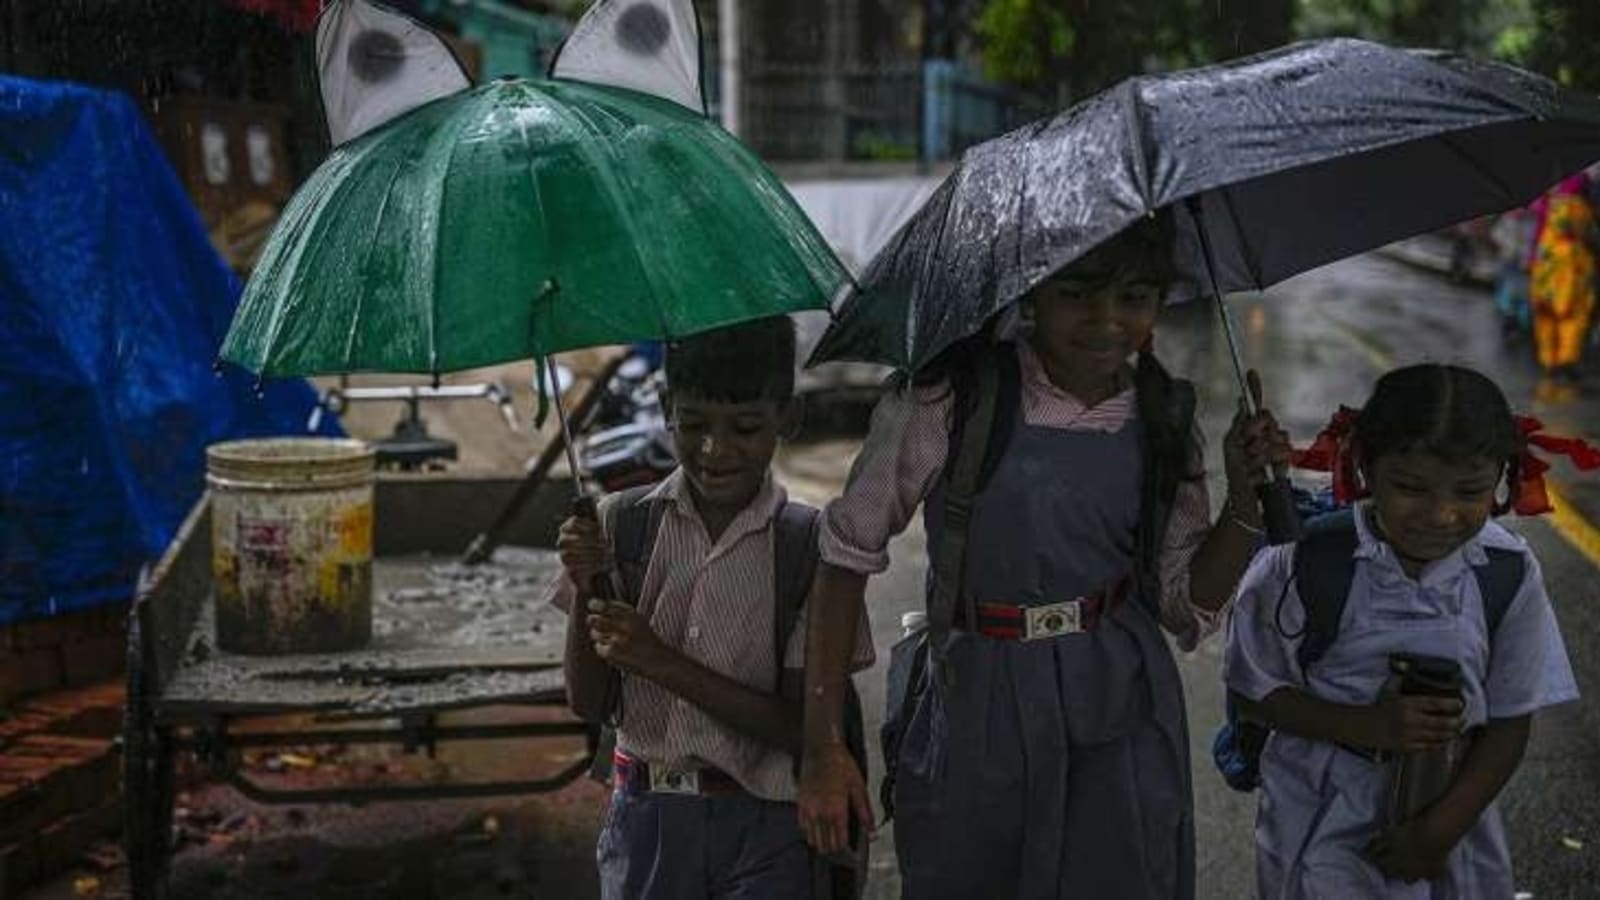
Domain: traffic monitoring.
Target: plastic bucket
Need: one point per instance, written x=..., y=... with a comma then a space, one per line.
x=291, y=528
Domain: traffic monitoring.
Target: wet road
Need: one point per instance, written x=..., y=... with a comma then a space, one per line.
x=1321, y=340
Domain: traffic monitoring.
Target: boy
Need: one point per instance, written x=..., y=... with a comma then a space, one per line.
x=708, y=722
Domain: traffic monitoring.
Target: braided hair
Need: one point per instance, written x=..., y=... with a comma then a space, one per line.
x=1451, y=412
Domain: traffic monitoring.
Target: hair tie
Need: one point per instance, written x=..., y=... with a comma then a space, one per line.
x=1334, y=451
x=1531, y=497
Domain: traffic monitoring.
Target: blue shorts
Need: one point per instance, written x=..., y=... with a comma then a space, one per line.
x=729, y=845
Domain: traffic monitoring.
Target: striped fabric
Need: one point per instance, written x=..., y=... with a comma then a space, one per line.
x=906, y=450
x=714, y=603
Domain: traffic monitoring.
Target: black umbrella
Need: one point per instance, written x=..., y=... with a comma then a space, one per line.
x=1274, y=164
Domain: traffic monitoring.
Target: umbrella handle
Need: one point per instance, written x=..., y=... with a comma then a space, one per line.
x=1278, y=513
x=602, y=587
x=1277, y=500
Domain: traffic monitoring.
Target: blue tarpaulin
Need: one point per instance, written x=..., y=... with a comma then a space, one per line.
x=112, y=306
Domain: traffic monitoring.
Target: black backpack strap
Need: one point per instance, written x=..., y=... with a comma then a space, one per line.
x=1324, y=568
x=976, y=407
x=633, y=522
x=1007, y=407
x=794, y=563
x=1499, y=580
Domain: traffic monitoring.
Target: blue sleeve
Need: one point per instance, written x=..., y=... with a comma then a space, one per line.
x=1528, y=666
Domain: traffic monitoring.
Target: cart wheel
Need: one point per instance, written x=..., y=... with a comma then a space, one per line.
x=148, y=781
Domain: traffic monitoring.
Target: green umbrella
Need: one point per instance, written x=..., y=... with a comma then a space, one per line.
x=523, y=218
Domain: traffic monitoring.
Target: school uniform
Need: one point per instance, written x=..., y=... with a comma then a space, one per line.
x=1321, y=803
x=1058, y=767
x=737, y=835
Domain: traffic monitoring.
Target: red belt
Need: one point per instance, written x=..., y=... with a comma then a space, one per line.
x=634, y=775
x=1023, y=623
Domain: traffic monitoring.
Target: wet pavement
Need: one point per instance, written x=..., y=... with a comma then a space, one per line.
x=1320, y=340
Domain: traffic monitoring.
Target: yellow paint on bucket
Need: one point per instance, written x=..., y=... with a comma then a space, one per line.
x=291, y=524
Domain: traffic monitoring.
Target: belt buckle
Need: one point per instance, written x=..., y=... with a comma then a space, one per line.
x=1051, y=620
x=674, y=781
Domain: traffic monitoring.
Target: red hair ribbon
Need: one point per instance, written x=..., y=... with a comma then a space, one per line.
x=1531, y=498
x=1333, y=451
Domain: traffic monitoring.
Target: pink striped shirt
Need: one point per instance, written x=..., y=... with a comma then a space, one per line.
x=713, y=602
x=906, y=449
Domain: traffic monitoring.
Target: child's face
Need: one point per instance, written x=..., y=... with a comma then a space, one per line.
x=1428, y=506
x=1090, y=320
x=725, y=449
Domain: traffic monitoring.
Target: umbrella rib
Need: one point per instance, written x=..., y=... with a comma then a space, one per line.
x=544, y=230
x=1251, y=260
x=928, y=260
x=1134, y=117
x=1507, y=196
x=452, y=126
x=604, y=177
x=314, y=211
x=372, y=240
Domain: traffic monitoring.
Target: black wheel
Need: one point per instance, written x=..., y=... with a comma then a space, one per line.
x=148, y=782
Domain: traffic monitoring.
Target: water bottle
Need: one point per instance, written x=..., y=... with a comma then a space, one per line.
x=912, y=622
x=1421, y=777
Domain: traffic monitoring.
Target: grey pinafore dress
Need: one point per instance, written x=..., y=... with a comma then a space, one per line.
x=1055, y=768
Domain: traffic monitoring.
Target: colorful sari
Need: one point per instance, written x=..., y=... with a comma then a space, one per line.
x=1562, y=287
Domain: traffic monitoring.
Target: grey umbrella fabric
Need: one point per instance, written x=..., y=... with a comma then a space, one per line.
x=1293, y=158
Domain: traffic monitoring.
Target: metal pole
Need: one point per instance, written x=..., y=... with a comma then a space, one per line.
x=1276, y=496
x=1196, y=213
x=728, y=36
x=554, y=387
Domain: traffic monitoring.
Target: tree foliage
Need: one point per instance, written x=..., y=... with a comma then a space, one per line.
x=1070, y=48
x=1566, y=43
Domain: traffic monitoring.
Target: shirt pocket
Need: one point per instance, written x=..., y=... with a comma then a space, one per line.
x=1395, y=604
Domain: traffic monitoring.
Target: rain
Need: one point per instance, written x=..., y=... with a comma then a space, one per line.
x=859, y=448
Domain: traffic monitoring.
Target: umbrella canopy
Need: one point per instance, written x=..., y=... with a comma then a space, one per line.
x=520, y=218
x=1283, y=161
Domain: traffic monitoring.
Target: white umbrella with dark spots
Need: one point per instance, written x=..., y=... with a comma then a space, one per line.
x=375, y=64
x=650, y=46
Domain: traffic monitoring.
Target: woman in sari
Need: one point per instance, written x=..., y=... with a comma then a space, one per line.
x=1562, y=287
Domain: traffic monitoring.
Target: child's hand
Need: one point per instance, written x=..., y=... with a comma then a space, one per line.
x=1253, y=445
x=583, y=551
x=624, y=638
x=1414, y=723
x=1415, y=851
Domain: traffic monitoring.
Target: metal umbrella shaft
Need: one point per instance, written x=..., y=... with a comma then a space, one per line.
x=603, y=587
x=1277, y=500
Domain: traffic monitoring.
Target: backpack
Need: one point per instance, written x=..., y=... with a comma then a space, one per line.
x=987, y=401
x=633, y=523
x=1324, y=569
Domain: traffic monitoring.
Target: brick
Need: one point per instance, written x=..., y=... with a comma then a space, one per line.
x=28, y=806
x=63, y=841
x=19, y=866
x=20, y=768
x=94, y=711
x=44, y=633
x=48, y=776
x=21, y=723
x=86, y=769
x=88, y=660
x=41, y=670
x=11, y=675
